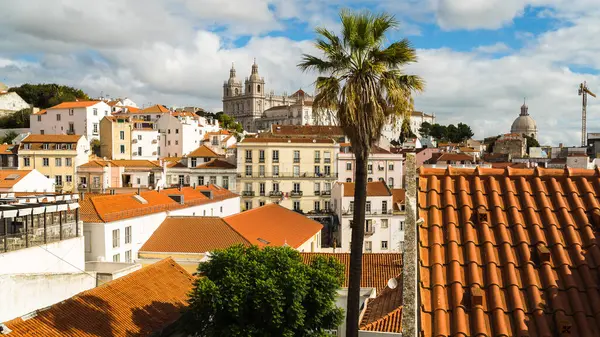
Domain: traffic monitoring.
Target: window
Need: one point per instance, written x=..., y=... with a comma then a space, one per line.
x=248, y=205
x=95, y=111
x=248, y=170
x=317, y=156
x=391, y=167
x=45, y=146
x=95, y=128
x=71, y=127
x=351, y=206
x=169, y=131
x=42, y=132
x=384, y=245
x=117, y=258
x=176, y=130
x=181, y=179
x=127, y=234
x=327, y=206
x=261, y=203
x=327, y=170
x=69, y=179
x=276, y=156
x=384, y=207
x=39, y=118
x=225, y=183
x=58, y=162
x=139, y=137
x=248, y=156
x=275, y=170
x=261, y=156
x=176, y=142
x=348, y=180
x=391, y=182
x=261, y=170
x=317, y=206
x=200, y=180
x=384, y=223
x=248, y=187
x=296, y=171
x=261, y=188
x=58, y=180
x=138, y=181
x=401, y=225
x=296, y=187
x=45, y=162
x=296, y=205
x=296, y=156
x=215, y=140
x=213, y=180
x=58, y=117
x=116, y=236
x=370, y=180
x=368, y=246
x=26, y=161
x=317, y=188
x=370, y=168
x=169, y=142
x=327, y=156
x=317, y=170
x=122, y=135
x=275, y=187
x=368, y=207
x=122, y=149
x=128, y=256
x=369, y=226
x=348, y=166
x=327, y=187
x=68, y=161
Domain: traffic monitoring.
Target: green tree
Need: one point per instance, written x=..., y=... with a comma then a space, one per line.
x=406, y=131
x=361, y=78
x=438, y=132
x=95, y=147
x=452, y=134
x=17, y=120
x=8, y=137
x=248, y=291
x=48, y=95
x=425, y=129
x=531, y=142
x=228, y=122
x=464, y=132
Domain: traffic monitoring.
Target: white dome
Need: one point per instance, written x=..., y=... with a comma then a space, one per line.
x=524, y=124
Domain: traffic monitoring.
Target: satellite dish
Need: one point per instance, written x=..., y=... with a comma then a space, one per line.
x=392, y=283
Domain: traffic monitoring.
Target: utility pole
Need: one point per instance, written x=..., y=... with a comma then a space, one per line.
x=584, y=91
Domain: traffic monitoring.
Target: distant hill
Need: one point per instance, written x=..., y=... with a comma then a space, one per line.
x=46, y=95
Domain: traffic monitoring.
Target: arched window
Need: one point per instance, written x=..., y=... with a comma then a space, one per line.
x=249, y=89
x=532, y=135
x=370, y=180
x=258, y=88
x=236, y=91
x=391, y=182
x=348, y=180
x=227, y=92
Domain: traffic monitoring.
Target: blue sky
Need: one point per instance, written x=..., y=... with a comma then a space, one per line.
x=478, y=57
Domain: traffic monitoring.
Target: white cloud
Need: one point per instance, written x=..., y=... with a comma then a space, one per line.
x=474, y=14
x=498, y=47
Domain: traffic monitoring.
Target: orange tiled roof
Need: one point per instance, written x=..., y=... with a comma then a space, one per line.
x=455, y=157
x=287, y=140
x=155, y=109
x=51, y=138
x=8, y=178
x=143, y=163
x=8, y=149
x=378, y=268
x=307, y=130
x=398, y=197
x=374, y=189
x=216, y=163
x=384, y=313
x=274, y=224
x=137, y=304
x=40, y=112
x=203, y=151
x=192, y=234
x=74, y=105
x=509, y=252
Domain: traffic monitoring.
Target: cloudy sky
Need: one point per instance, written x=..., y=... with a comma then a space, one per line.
x=480, y=58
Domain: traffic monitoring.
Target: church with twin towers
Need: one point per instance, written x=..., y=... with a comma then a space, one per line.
x=250, y=104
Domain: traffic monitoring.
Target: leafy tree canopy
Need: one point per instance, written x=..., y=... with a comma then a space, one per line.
x=247, y=291
x=531, y=142
x=17, y=120
x=228, y=122
x=8, y=137
x=44, y=96
x=446, y=133
x=406, y=132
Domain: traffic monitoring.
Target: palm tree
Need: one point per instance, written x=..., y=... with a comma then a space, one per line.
x=362, y=80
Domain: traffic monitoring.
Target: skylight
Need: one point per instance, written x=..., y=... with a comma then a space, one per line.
x=12, y=177
x=140, y=199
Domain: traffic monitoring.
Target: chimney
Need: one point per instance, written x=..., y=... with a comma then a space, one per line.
x=139, y=191
x=543, y=254
x=476, y=297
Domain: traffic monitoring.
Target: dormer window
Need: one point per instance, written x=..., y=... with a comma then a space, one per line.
x=193, y=162
x=45, y=146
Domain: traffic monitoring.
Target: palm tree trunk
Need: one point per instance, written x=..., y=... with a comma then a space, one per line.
x=356, y=248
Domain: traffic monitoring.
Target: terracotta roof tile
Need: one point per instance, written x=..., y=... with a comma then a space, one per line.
x=374, y=189
x=51, y=138
x=8, y=178
x=138, y=304
x=287, y=140
x=274, y=225
x=74, y=105
x=455, y=157
x=40, y=112
x=192, y=234
x=154, y=109
x=378, y=268
x=8, y=149
x=510, y=252
x=216, y=163
x=384, y=313
x=203, y=151
x=307, y=130
x=134, y=163
x=398, y=198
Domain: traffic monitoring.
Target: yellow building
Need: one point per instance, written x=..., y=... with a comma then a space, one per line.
x=56, y=157
x=115, y=137
x=295, y=172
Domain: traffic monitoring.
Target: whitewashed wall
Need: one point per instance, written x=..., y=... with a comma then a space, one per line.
x=45, y=258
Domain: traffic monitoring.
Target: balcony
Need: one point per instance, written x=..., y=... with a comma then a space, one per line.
x=261, y=193
x=247, y=193
x=326, y=193
x=248, y=160
x=317, y=192
x=275, y=160
x=70, y=132
x=275, y=194
x=296, y=160
x=295, y=194
x=327, y=161
x=317, y=160
x=261, y=160
x=288, y=175
x=369, y=231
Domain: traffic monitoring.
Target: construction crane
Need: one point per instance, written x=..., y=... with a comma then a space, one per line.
x=584, y=91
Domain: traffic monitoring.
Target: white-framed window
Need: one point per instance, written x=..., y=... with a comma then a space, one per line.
x=348, y=166
x=117, y=258
x=68, y=161
x=384, y=223
x=248, y=205
x=368, y=246
x=95, y=128
x=116, y=238
x=26, y=161
x=57, y=161
x=296, y=205
x=139, y=137
x=368, y=207
x=128, y=256
x=122, y=149
x=58, y=117
x=69, y=178
x=384, y=245
x=45, y=161
x=401, y=225
x=122, y=135
x=391, y=182
x=391, y=167
x=384, y=207
x=58, y=180
x=127, y=234
x=95, y=112
x=200, y=180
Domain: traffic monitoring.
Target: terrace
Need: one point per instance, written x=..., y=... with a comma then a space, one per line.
x=37, y=220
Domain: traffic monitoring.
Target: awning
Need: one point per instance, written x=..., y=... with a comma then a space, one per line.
x=39, y=210
x=73, y=206
x=67, y=197
x=50, y=199
x=75, y=196
x=61, y=207
x=51, y=208
x=59, y=197
x=25, y=211
x=10, y=213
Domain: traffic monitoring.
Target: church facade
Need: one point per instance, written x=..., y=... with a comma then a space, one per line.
x=250, y=104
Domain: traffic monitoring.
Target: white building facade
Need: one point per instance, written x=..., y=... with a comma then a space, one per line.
x=144, y=143
x=381, y=166
x=11, y=102
x=80, y=117
x=179, y=135
x=392, y=131
x=385, y=219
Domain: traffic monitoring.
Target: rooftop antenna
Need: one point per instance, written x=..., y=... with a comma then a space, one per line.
x=584, y=91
